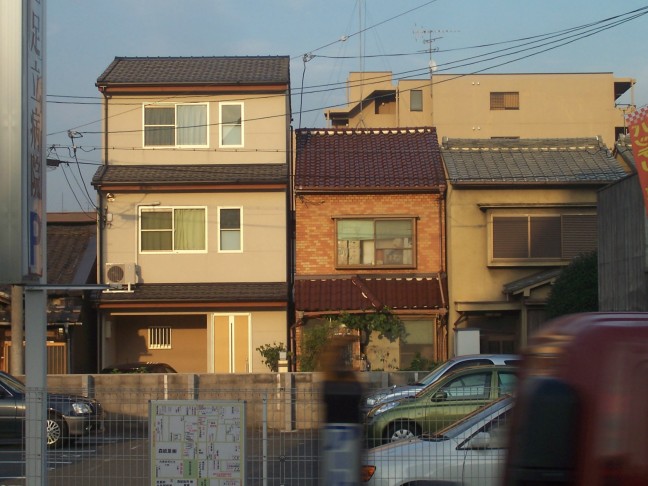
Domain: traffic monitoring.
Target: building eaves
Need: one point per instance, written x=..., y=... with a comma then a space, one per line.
x=370, y=293
x=198, y=294
x=524, y=285
x=570, y=161
x=368, y=160
x=174, y=175
x=234, y=70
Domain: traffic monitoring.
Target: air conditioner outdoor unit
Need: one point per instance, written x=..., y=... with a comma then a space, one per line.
x=121, y=273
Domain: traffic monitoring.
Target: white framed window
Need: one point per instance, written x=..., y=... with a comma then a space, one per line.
x=231, y=124
x=159, y=337
x=172, y=229
x=176, y=125
x=376, y=242
x=230, y=229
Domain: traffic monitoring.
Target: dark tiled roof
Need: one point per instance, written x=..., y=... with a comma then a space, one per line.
x=365, y=293
x=200, y=293
x=534, y=280
x=71, y=260
x=233, y=174
x=529, y=161
x=244, y=70
x=72, y=252
x=365, y=160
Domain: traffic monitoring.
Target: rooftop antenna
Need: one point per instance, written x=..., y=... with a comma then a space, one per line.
x=361, y=57
x=429, y=40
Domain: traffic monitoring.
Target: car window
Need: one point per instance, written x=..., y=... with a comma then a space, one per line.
x=497, y=430
x=471, y=362
x=506, y=383
x=469, y=387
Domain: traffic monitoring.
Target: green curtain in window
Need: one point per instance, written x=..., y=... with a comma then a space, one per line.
x=189, y=229
x=157, y=227
x=355, y=229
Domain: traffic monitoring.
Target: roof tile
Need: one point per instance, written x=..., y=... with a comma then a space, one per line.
x=241, y=70
x=233, y=174
x=529, y=161
x=368, y=159
x=369, y=293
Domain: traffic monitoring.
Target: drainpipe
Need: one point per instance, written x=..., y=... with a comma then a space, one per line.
x=100, y=240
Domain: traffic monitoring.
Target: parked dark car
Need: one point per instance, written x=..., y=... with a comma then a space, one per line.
x=139, y=368
x=68, y=416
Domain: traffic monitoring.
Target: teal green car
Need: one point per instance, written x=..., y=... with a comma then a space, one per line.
x=439, y=404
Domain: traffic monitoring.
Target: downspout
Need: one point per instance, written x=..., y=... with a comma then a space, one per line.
x=100, y=240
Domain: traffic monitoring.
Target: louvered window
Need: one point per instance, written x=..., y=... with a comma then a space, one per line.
x=159, y=337
x=546, y=237
x=509, y=100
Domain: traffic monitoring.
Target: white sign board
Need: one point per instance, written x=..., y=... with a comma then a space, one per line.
x=197, y=442
x=22, y=141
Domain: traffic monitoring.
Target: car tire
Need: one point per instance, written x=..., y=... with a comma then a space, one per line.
x=403, y=429
x=56, y=431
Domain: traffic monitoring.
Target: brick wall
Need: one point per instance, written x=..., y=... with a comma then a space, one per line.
x=315, y=228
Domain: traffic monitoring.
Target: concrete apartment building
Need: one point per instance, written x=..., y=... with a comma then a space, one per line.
x=194, y=198
x=557, y=105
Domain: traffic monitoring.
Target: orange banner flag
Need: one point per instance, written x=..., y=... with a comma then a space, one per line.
x=638, y=130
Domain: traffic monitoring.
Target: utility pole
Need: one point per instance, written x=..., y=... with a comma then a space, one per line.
x=429, y=40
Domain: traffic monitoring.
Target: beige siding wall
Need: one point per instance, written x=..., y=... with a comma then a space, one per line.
x=264, y=239
x=265, y=138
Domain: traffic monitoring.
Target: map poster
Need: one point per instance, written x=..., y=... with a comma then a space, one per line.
x=197, y=442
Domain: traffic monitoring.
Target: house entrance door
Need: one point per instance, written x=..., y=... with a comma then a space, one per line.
x=231, y=343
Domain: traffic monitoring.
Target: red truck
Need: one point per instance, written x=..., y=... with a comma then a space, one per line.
x=581, y=415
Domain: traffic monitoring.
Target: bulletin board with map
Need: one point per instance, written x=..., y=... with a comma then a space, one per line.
x=197, y=442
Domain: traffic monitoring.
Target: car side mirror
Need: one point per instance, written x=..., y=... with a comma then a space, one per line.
x=440, y=396
x=482, y=440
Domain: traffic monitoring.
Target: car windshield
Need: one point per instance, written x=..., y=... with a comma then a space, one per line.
x=434, y=375
x=469, y=420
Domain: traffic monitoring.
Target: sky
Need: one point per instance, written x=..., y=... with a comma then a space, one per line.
x=325, y=41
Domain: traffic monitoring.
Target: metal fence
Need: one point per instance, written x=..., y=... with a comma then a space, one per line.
x=280, y=440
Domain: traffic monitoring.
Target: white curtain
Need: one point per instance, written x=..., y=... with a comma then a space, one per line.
x=192, y=124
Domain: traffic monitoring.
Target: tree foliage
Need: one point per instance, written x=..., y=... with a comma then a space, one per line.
x=576, y=288
x=383, y=322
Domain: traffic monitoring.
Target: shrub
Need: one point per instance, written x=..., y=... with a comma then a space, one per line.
x=271, y=353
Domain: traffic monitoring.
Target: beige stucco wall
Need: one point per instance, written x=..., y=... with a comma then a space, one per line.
x=551, y=105
x=192, y=349
x=265, y=131
x=263, y=258
x=471, y=279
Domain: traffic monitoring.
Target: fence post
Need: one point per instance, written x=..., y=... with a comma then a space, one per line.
x=289, y=405
x=265, y=439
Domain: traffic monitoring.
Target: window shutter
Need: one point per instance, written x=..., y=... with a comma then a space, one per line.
x=510, y=237
x=545, y=237
x=580, y=234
